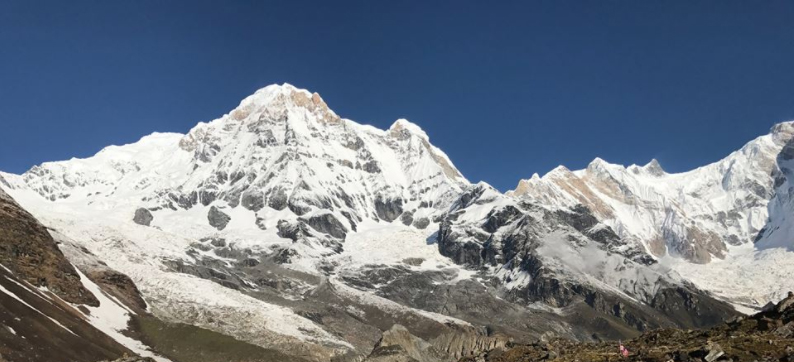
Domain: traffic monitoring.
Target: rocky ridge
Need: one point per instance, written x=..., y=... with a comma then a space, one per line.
x=766, y=336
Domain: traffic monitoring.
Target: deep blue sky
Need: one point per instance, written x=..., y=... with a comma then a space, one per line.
x=505, y=89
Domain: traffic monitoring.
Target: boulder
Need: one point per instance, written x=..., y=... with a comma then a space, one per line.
x=407, y=218
x=217, y=218
x=253, y=201
x=260, y=223
x=388, y=209
x=143, y=217
x=277, y=199
x=421, y=223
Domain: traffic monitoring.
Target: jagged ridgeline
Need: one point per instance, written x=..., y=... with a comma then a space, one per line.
x=286, y=230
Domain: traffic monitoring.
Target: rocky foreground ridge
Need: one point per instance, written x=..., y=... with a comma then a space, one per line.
x=766, y=336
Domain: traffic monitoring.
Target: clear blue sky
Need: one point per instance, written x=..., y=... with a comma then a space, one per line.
x=505, y=89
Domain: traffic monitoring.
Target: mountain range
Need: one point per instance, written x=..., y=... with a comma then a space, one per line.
x=287, y=230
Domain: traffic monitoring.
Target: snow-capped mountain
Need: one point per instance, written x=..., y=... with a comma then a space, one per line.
x=282, y=148
x=719, y=215
x=695, y=215
x=286, y=226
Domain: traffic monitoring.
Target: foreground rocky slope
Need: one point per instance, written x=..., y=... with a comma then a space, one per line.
x=44, y=304
x=766, y=336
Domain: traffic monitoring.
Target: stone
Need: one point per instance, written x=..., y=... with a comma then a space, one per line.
x=251, y=262
x=217, y=218
x=277, y=199
x=253, y=201
x=218, y=242
x=260, y=223
x=143, y=217
x=715, y=352
x=388, y=209
x=413, y=261
x=407, y=218
x=421, y=223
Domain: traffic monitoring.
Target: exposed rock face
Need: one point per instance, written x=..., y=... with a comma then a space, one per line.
x=277, y=199
x=388, y=209
x=293, y=231
x=389, y=354
x=217, y=218
x=779, y=227
x=398, y=343
x=459, y=344
x=407, y=218
x=421, y=223
x=120, y=286
x=328, y=224
x=531, y=248
x=27, y=249
x=253, y=201
x=143, y=217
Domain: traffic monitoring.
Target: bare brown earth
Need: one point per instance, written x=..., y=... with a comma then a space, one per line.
x=38, y=326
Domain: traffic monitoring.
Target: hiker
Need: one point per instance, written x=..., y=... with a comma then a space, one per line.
x=623, y=350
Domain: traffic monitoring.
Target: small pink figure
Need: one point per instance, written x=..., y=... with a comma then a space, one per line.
x=623, y=350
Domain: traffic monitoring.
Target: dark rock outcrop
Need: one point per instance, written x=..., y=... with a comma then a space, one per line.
x=120, y=286
x=421, y=223
x=217, y=218
x=143, y=217
x=407, y=218
x=398, y=344
x=293, y=231
x=510, y=237
x=388, y=209
x=328, y=224
x=253, y=201
x=277, y=199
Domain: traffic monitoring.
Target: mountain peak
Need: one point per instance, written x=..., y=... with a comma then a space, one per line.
x=403, y=124
x=558, y=171
x=599, y=166
x=654, y=168
x=281, y=97
x=783, y=131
